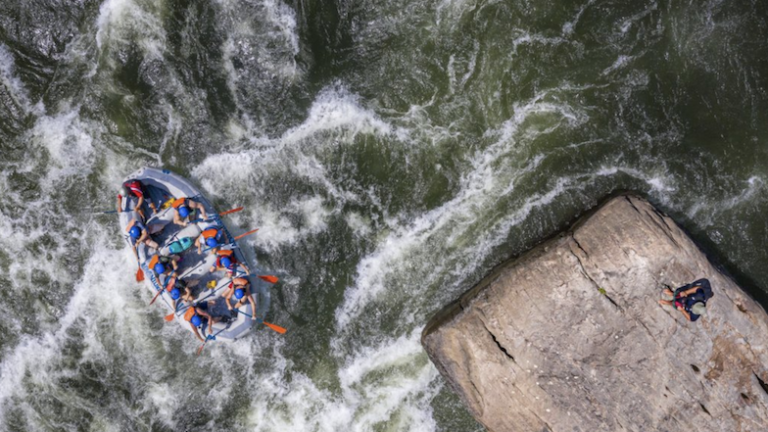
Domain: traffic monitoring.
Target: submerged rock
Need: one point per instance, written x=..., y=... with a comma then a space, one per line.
x=570, y=337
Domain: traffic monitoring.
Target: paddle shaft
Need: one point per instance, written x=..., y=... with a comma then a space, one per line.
x=160, y=291
x=211, y=337
x=274, y=327
x=234, y=210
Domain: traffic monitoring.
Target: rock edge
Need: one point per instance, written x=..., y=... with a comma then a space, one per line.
x=569, y=336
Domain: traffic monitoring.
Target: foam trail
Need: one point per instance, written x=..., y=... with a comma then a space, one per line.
x=392, y=379
x=121, y=20
x=486, y=183
x=37, y=356
x=69, y=142
x=10, y=79
x=707, y=212
x=335, y=111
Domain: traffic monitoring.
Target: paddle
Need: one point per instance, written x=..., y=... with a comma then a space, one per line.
x=167, y=204
x=139, y=272
x=248, y=233
x=210, y=337
x=161, y=290
x=104, y=212
x=269, y=278
x=274, y=327
x=236, y=238
x=170, y=316
x=234, y=210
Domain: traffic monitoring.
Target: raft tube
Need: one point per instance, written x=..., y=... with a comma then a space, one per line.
x=160, y=187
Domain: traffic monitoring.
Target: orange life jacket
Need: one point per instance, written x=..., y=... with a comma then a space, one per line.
x=210, y=232
x=240, y=281
x=171, y=285
x=225, y=252
x=189, y=314
x=178, y=203
x=153, y=261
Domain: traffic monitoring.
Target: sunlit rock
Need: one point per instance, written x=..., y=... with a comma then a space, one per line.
x=570, y=337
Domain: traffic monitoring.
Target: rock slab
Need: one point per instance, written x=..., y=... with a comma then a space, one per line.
x=570, y=337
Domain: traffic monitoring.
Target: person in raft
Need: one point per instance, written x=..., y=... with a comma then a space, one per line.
x=691, y=299
x=179, y=291
x=185, y=293
x=212, y=237
x=183, y=208
x=194, y=316
x=226, y=260
x=139, y=234
x=134, y=188
x=165, y=264
x=241, y=289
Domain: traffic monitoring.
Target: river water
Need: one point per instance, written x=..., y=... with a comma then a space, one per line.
x=391, y=153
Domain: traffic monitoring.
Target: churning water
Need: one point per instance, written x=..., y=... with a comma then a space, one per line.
x=391, y=153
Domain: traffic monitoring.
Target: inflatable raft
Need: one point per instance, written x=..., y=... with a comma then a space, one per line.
x=161, y=187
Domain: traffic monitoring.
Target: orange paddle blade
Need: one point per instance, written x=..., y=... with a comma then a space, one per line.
x=169, y=317
x=230, y=211
x=156, y=296
x=275, y=327
x=243, y=235
x=270, y=279
x=139, y=275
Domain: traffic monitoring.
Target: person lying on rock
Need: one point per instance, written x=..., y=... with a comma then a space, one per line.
x=691, y=299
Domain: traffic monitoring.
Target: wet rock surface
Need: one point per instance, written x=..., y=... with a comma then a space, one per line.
x=570, y=337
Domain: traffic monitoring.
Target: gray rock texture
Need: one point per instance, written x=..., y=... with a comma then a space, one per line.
x=570, y=337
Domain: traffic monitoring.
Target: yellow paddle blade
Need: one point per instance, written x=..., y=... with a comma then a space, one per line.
x=167, y=204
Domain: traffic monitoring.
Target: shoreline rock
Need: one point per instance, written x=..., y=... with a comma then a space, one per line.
x=570, y=337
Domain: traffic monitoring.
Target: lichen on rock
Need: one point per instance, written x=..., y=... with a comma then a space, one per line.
x=570, y=337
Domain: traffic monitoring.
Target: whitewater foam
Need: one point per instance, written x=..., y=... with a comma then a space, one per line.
x=486, y=182
x=10, y=79
x=120, y=21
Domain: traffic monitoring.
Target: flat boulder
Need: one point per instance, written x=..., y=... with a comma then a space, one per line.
x=571, y=337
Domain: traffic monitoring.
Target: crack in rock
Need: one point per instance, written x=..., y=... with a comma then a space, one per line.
x=762, y=384
x=495, y=340
x=632, y=204
x=504, y=350
x=584, y=271
x=579, y=245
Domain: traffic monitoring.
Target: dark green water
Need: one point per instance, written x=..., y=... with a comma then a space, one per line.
x=391, y=154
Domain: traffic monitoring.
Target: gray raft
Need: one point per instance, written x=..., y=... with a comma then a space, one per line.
x=160, y=186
